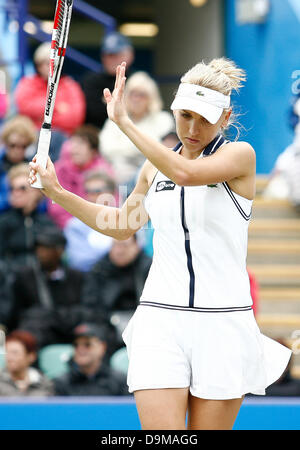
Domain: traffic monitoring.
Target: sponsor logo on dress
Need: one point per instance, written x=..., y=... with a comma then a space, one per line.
x=165, y=186
x=200, y=93
x=212, y=185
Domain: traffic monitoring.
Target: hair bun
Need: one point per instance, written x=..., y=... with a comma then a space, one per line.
x=226, y=67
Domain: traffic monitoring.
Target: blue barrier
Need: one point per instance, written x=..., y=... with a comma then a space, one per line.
x=119, y=413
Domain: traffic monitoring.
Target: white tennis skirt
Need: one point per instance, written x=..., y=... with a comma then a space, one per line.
x=217, y=355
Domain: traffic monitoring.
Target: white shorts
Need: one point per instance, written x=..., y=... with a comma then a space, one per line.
x=217, y=356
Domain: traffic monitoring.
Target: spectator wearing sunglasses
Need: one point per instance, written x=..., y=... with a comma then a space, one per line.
x=89, y=371
x=80, y=155
x=17, y=135
x=86, y=246
x=19, y=225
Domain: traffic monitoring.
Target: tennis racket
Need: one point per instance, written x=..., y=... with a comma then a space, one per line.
x=60, y=34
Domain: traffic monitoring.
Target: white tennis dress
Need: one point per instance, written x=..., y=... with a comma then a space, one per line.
x=195, y=325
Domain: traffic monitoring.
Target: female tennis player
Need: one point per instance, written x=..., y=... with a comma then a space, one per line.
x=193, y=343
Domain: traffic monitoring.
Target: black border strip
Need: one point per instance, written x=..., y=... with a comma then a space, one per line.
x=240, y=209
x=187, y=250
x=213, y=146
x=196, y=309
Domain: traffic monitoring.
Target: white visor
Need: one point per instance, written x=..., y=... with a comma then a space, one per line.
x=206, y=102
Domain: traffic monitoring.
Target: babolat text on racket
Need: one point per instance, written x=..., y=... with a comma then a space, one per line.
x=60, y=34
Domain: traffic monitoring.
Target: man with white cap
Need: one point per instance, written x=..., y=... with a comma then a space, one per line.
x=193, y=343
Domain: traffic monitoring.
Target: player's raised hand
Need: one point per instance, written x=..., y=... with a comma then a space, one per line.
x=48, y=177
x=116, y=109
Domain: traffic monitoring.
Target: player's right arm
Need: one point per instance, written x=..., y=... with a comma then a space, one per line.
x=119, y=223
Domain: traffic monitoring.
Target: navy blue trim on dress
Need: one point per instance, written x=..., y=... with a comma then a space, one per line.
x=233, y=198
x=213, y=146
x=209, y=150
x=187, y=250
x=196, y=309
x=177, y=147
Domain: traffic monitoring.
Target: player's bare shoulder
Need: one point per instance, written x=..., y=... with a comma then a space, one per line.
x=241, y=153
x=241, y=148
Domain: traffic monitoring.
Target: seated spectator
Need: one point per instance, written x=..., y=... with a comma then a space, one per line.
x=115, y=49
x=83, y=156
x=86, y=246
x=294, y=112
x=19, y=378
x=17, y=135
x=90, y=373
x=144, y=106
x=115, y=283
x=6, y=295
x=3, y=105
x=3, y=95
x=284, y=181
x=47, y=296
x=19, y=225
x=30, y=97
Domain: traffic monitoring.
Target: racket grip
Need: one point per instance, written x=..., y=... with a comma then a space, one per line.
x=42, y=154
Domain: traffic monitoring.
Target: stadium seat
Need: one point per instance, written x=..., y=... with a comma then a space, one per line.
x=2, y=360
x=119, y=360
x=53, y=359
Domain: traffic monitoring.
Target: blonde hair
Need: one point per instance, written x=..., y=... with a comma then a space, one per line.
x=18, y=170
x=143, y=82
x=42, y=53
x=21, y=125
x=220, y=74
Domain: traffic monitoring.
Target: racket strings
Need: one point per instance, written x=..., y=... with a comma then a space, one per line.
x=60, y=23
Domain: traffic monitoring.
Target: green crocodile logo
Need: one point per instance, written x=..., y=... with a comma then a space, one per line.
x=200, y=93
x=212, y=185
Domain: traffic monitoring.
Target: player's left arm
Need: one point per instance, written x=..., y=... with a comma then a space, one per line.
x=231, y=161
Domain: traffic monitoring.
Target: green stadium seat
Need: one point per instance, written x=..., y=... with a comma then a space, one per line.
x=119, y=360
x=53, y=359
x=2, y=361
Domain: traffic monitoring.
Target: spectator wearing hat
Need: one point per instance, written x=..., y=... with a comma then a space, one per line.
x=47, y=296
x=69, y=112
x=115, y=49
x=19, y=225
x=19, y=378
x=89, y=371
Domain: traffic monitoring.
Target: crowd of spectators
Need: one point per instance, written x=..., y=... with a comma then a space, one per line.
x=60, y=281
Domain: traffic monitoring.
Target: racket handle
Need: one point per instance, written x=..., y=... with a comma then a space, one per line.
x=42, y=154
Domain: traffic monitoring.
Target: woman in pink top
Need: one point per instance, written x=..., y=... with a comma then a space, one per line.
x=82, y=156
x=3, y=105
x=70, y=106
